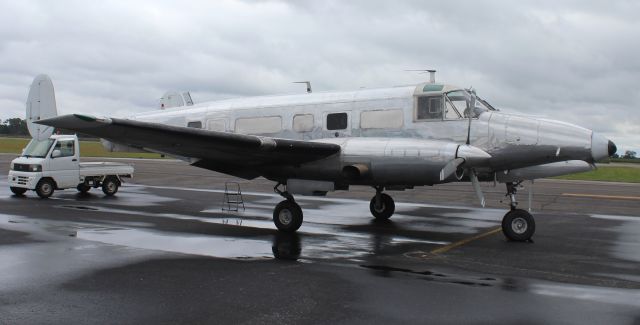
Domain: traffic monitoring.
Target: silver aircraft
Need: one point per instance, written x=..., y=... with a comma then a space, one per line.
x=389, y=138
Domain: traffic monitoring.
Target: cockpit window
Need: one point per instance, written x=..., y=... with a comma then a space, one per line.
x=463, y=103
x=429, y=108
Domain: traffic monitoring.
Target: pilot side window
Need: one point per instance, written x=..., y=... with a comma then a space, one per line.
x=429, y=108
x=337, y=121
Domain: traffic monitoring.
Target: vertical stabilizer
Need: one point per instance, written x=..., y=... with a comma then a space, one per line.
x=41, y=104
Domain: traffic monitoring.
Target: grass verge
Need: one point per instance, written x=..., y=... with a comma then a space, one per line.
x=607, y=174
x=87, y=149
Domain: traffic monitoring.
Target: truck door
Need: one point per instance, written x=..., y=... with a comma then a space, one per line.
x=65, y=168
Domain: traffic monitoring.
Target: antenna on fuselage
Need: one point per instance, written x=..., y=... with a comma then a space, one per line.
x=305, y=82
x=432, y=74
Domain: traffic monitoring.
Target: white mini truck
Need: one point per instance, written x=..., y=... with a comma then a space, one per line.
x=54, y=164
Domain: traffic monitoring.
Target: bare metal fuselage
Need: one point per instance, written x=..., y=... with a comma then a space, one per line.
x=385, y=143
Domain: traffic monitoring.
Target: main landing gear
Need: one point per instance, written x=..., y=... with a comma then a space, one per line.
x=287, y=216
x=382, y=205
x=517, y=224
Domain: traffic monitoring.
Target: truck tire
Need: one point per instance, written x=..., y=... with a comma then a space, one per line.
x=45, y=188
x=83, y=188
x=110, y=185
x=18, y=191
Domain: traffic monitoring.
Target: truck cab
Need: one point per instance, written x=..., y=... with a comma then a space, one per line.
x=54, y=164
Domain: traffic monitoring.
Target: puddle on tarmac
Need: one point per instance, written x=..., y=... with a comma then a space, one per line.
x=627, y=244
x=186, y=244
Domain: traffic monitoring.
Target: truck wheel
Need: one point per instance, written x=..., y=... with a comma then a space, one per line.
x=19, y=191
x=45, y=188
x=83, y=188
x=110, y=186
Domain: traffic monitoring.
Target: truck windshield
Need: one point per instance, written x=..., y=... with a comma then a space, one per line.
x=37, y=149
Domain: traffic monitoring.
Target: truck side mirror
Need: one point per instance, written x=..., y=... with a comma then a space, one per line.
x=56, y=153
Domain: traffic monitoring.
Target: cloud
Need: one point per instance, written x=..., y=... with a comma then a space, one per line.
x=574, y=61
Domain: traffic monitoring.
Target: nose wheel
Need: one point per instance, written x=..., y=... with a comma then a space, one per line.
x=517, y=224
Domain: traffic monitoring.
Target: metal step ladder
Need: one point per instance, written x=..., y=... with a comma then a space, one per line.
x=232, y=197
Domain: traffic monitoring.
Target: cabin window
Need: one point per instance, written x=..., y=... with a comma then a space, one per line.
x=337, y=121
x=195, y=125
x=259, y=125
x=382, y=119
x=303, y=123
x=429, y=108
x=218, y=125
x=66, y=147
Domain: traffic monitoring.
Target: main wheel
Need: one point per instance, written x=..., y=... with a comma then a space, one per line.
x=518, y=225
x=386, y=208
x=83, y=188
x=110, y=186
x=287, y=216
x=45, y=188
x=19, y=191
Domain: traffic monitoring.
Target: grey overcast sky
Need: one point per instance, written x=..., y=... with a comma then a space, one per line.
x=577, y=61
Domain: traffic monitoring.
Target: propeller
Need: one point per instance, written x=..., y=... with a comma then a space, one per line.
x=468, y=156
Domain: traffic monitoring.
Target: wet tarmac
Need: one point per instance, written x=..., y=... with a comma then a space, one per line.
x=163, y=251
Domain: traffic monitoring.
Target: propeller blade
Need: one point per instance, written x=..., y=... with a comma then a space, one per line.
x=476, y=186
x=450, y=168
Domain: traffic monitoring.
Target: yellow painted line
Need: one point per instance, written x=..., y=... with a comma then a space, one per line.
x=451, y=246
x=597, y=196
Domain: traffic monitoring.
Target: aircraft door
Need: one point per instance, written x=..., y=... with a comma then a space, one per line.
x=65, y=167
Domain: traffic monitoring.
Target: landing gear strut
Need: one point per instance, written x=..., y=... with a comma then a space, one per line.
x=287, y=216
x=517, y=224
x=382, y=205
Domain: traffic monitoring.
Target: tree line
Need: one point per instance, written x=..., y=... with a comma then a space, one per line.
x=14, y=126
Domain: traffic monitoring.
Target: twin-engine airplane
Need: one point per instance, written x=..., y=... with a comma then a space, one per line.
x=389, y=138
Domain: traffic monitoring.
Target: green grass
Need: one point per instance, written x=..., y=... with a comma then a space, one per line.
x=87, y=149
x=623, y=160
x=607, y=174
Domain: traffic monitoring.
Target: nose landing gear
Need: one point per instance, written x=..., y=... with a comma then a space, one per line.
x=517, y=224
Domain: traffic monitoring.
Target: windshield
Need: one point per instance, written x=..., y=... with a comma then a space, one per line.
x=37, y=149
x=464, y=103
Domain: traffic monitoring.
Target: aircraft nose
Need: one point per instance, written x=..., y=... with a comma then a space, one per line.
x=612, y=148
x=601, y=147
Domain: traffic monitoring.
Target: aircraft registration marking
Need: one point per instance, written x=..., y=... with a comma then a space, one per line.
x=599, y=196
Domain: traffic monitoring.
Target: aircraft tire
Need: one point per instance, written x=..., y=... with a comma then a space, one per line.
x=387, y=209
x=110, y=186
x=83, y=188
x=518, y=225
x=287, y=216
x=45, y=188
x=18, y=191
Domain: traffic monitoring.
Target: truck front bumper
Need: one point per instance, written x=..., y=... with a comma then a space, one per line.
x=23, y=179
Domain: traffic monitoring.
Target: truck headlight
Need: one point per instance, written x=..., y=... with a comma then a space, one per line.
x=35, y=168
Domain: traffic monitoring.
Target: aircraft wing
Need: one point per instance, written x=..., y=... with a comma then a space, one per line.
x=230, y=153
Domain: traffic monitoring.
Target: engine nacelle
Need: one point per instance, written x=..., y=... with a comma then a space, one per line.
x=392, y=161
